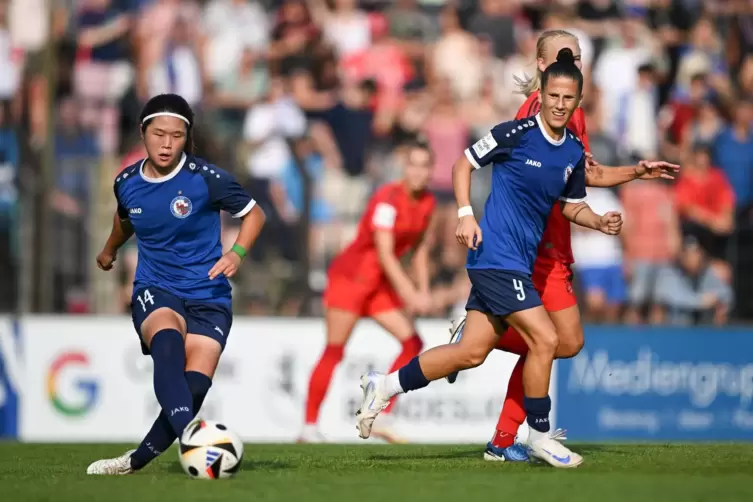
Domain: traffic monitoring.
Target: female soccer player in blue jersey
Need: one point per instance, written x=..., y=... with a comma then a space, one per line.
x=181, y=304
x=536, y=161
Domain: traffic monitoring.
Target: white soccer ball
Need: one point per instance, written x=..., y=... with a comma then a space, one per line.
x=209, y=450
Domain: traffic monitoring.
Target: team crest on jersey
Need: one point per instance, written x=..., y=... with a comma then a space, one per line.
x=568, y=172
x=181, y=207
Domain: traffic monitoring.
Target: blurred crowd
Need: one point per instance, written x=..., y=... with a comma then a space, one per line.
x=309, y=102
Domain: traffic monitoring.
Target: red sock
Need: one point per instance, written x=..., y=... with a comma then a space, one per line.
x=513, y=415
x=512, y=342
x=411, y=348
x=320, y=379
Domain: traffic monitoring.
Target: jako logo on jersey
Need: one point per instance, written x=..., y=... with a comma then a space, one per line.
x=181, y=207
x=568, y=172
x=135, y=210
x=534, y=163
x=70, y=370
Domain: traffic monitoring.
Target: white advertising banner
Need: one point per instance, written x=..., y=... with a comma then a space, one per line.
x=86, y=380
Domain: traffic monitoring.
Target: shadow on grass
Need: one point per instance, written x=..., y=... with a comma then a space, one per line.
x=434, y=456
x=248, y=465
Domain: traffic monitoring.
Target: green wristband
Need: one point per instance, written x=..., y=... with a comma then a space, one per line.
x=239, y=250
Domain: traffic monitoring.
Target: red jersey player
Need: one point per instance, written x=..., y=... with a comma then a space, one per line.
x=367, y=280
x=552, y=273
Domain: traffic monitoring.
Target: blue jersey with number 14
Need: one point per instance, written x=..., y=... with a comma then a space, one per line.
x=531, y=172
x=176, y=220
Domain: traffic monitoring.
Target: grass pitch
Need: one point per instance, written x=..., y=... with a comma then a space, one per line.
x=312, y=473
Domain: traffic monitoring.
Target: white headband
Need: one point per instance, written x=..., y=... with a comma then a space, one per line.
x=165, y=114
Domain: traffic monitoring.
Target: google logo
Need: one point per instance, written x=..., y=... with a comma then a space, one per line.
x=87, y=387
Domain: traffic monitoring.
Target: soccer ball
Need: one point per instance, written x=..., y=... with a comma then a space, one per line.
x=209, y=450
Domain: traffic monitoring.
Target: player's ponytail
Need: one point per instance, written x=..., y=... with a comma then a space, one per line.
x=529, y=85
x=563, y=67
x=171, y=105
x=566, y=56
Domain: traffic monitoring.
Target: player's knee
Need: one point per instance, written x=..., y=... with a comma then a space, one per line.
x=545, y=343
x=474, y=356
x=570, y=344
x=569, y=348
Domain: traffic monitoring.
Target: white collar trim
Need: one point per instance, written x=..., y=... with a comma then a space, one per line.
x=555, y=142
x=170, y=176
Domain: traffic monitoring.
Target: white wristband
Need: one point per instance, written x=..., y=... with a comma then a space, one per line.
x=465, y=211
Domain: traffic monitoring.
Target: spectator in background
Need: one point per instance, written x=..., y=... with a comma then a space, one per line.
x=616, y=71
x=386, y=62
x=181, y=68
x=703, y=55
x=598, y=263
x=234, y=28
x=733, y=153
x=154, y=30
x=496, y=19
x=680, y=111
x=10, y=62
x=603, y=146
x=706, y=205
x=352, y=124
x=519, y=65
x=288, y=195
x=600, y=19
x=345, y=27
x=8, y=212
x=456, y=57
x=448, y=135
x=412, y=28
x=237, y=90
x=703, y=129
x=102, y=73
x=77, y=155
x=638, y=131
x=651, y=241
x=691, y=292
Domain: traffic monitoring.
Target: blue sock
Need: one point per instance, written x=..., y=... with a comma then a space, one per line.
x=537, y=410
x=161, y=435
x=412, y=376
x=170, y=386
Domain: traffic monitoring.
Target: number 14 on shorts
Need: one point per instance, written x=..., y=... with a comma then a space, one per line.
x=145, y=298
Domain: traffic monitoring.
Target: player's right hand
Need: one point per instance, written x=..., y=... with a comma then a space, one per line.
x=420, y=303
x=105, y=259
x=611, y=223
x=468, y=232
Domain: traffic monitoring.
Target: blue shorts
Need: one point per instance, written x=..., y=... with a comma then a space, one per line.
x=202, y=318
x=501, y=292
x=608, y=280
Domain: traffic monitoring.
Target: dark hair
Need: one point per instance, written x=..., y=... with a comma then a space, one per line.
x=418, y=142
x=563, y=67
x=169, y=103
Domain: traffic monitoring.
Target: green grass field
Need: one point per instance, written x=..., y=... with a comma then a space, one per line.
x=311, y=473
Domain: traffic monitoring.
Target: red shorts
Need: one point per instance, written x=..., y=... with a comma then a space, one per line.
x=553, y=281
x=345, y=294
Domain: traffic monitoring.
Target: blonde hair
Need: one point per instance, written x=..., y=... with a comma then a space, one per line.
x=529, y=85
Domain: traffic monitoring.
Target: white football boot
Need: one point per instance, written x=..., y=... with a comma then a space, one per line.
x=310, y=435
x=118, y=466
x=456, y=333
x=549, y=448
x=374, y=401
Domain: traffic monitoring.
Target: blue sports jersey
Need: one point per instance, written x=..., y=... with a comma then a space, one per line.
x=531, y=171
x=177, y=223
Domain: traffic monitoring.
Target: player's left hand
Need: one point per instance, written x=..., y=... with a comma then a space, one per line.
x=611, y=223
x=593, y=168
x=653, y=169
x=227, y=266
